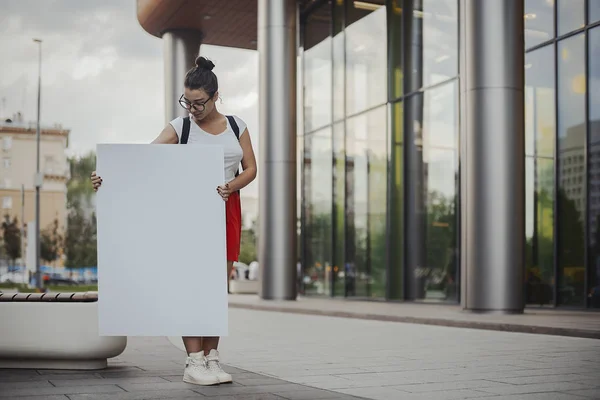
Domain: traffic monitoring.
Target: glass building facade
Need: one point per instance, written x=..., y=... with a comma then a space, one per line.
x=379, y=151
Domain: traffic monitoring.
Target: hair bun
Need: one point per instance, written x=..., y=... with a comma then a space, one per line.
x=204, y=63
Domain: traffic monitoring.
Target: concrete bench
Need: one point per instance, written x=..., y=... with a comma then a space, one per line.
x=54, y=331
x=244, y=286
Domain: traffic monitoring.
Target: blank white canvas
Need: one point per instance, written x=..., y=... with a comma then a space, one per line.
x=161, y=241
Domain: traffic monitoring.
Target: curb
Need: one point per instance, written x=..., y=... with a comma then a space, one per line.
x=491, y=326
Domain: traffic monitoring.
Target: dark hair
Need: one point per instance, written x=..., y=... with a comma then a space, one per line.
x=202, y=77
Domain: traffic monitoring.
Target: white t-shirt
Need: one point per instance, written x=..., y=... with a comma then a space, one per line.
x=231, y=146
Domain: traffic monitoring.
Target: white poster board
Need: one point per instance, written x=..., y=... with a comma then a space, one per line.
x=161, y=241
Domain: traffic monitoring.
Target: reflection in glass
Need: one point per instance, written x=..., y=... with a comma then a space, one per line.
x=366, y=56
x=594, y=166
x=433, y=170
x=540, y=136
x=572, y=172
x=366, y=172
x=571, y=15
x=339, y=88
x=317, y=69
x=339, y=212
x=318, y=175
x=540, y=133
x=299, y=210
x=593, y=11
x=395, y=50
x=539, y=22
x=433, y=39
x=377, y=181
x=396, y=207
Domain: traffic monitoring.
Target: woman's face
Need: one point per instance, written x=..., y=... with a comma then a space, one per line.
x=198, y=102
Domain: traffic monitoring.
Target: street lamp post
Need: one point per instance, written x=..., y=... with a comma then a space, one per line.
x=38, y=179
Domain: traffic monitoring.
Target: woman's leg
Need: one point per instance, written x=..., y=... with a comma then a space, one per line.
x=193, y=344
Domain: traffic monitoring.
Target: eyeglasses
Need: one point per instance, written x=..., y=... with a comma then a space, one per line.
x=196, y=106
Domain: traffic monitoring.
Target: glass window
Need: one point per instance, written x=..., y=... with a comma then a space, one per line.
x=318, y=175
x=299, y=209
x=366, y=55
x=571, y=15
x=339, y=196
x=433, y=55
x=594, y=166
x=572, y=171
x=435, y=166
x=396, y=206
x=366, y=174
x=539, y=22
x=540, y=133
x=339, y=46
x=7, y=162
x=395, y=38
x=540, y=129
x=317, y=69
x=593, y=11
x=377, y=189
x=7, y=142
x=539, y=230
x=7, y=202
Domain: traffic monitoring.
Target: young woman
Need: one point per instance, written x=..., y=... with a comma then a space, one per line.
x=209, y=126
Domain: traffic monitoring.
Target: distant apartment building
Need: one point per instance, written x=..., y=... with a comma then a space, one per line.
x=18, y=169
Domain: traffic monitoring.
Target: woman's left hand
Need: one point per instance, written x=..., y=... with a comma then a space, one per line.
x=224, y=191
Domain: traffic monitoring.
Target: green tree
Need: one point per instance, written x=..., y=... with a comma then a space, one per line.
x=11, y=235
x=80, y=236
x=79, y=188
x=80, y=240
x=51, y=242
x=248, y=245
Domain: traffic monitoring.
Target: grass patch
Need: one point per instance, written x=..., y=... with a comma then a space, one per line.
x=51, y=288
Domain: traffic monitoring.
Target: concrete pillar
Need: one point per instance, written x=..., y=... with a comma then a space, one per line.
x=181, y=47
x=492, y=155
x=277, y=45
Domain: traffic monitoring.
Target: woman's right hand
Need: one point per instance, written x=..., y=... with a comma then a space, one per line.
x=96, y=181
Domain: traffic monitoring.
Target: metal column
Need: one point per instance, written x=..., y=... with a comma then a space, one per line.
x=181, y=47
x=493, y=164
x=277, y=47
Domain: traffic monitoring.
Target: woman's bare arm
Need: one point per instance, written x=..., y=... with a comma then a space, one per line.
x=167, y=136
x=248, y=164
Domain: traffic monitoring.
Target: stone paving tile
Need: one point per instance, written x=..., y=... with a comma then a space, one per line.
x=592, y=393
x=535, y=388
x=24, y=385
x=382, y=393
x=15, y=393
x=310, y=394
x=523, y=380
x=43, y=397
x=536, y=396
x=239, y=390
x=160, y=394
x=37, y=377
x=108, y=381
x=452, y=385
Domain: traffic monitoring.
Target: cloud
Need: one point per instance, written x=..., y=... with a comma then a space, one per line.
x=102, y=74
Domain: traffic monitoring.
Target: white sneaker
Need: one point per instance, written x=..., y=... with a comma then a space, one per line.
x=197, y=372
x=214, y=367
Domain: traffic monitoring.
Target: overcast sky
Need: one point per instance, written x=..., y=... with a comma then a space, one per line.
x=102, y=74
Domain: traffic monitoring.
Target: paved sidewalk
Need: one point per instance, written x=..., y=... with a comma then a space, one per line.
x=150, y=368
x=399, y=361
x=585, y=324
x=275, y=356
